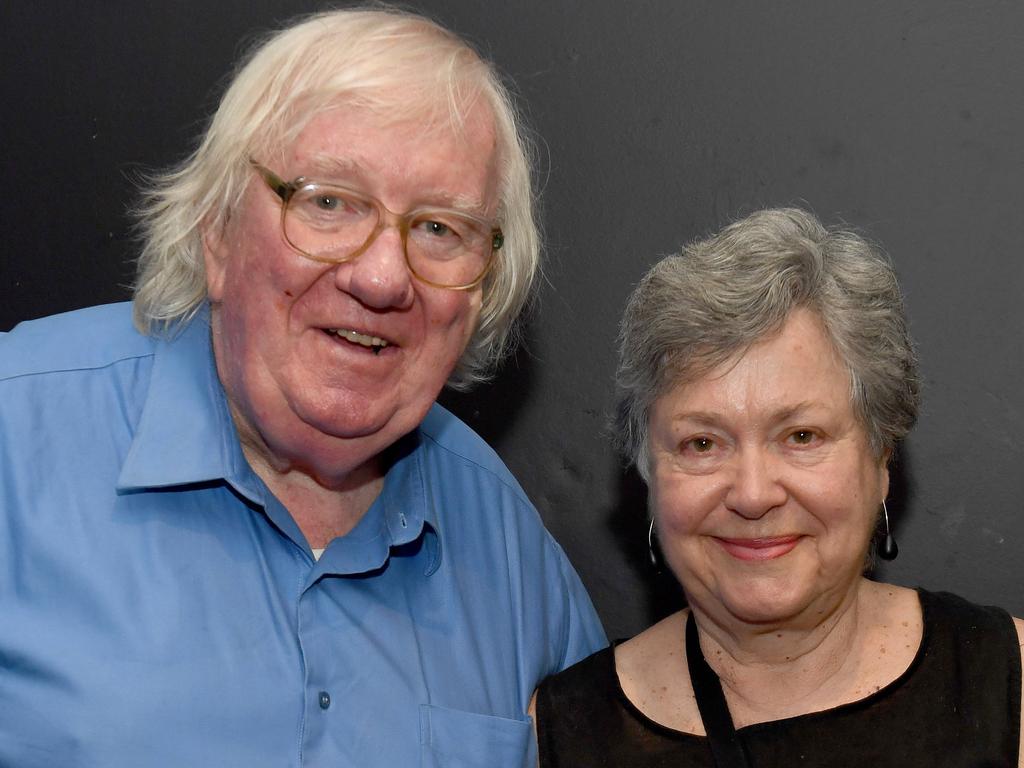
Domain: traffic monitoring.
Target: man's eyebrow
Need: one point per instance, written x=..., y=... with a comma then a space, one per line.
x=328, y=168
x=463, y=203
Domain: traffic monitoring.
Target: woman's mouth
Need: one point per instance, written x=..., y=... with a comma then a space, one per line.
x=765, y=548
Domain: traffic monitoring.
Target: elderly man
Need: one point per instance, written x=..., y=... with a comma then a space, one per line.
x=243, y=534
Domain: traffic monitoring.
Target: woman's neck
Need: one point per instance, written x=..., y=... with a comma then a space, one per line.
x=803, y=664
x=771, y=673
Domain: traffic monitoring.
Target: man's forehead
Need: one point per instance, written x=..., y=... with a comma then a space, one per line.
x=436, y=157
x=326, y=167
x=396, y=109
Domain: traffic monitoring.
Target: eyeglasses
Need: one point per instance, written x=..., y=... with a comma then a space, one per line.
x=332, y=223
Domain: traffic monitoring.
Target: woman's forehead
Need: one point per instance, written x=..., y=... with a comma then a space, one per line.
x=786, y=371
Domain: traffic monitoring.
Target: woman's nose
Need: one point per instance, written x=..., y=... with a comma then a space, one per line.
x=755, y=488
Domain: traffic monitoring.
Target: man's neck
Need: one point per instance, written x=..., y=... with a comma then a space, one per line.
x=322, y=513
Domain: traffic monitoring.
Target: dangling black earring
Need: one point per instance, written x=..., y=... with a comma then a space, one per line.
x=654, y=556
x=888, y=549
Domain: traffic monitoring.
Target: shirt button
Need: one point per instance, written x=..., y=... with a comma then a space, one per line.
x=325, y=699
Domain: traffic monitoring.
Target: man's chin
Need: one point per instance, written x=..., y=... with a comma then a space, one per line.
x=364, y=423
x=348, y=428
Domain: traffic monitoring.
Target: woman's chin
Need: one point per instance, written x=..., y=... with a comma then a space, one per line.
x=764, y=601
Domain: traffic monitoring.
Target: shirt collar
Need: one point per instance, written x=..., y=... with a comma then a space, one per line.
x=401, y=516
x=185, y=436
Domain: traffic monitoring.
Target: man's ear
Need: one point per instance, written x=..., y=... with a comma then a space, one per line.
x=215, y=259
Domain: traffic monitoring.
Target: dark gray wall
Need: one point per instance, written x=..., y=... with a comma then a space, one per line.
x=658, y=122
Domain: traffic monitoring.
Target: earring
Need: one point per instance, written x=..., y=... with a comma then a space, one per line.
x=888, y=549
x=654, y=556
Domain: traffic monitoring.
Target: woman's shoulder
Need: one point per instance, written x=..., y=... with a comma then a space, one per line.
x=964, y=617
x=653, y=675
x=650, y=648
x=645, y=676
x=624, y=658
x=987, y=644
x=674, y=622
x=584, y=679
x=578, y=700
x=944, y=621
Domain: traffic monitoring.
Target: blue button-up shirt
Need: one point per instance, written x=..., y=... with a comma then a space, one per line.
x=159, y=607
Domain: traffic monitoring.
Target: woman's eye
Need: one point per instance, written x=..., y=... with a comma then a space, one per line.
x=698, y=444
x=327, y=202
x=802, y=437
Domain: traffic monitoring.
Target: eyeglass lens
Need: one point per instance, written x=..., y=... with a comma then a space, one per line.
x=333, y=223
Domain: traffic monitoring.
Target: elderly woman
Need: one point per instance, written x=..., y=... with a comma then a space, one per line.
x=766, y=377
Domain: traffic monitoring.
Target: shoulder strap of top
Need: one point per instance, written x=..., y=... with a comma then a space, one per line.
x=714, y=710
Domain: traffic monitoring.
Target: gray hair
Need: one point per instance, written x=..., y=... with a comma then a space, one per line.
x=694, y=311
x=398, y=64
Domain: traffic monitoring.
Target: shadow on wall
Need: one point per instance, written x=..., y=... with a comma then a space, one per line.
x=491, y=408
x=628, y=523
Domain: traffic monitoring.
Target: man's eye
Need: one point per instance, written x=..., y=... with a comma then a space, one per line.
x=442, y=230
x=321, y=202
x=436, y=228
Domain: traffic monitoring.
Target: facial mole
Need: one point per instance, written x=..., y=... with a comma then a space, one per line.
x=289, y=294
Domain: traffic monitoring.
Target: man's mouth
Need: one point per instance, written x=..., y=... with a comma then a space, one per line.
x=373, y=343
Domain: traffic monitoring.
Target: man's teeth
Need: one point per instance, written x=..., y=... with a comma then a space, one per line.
x=360, y=338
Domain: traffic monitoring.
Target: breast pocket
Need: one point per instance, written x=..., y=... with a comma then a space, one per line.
x=450, y=738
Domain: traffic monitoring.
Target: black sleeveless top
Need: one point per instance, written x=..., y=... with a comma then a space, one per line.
x=956, y=706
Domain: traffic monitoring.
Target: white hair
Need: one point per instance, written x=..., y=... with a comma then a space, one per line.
x=401, y=66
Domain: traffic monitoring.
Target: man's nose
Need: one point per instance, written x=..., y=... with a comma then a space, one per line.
x=379, y=276
x=755, y=486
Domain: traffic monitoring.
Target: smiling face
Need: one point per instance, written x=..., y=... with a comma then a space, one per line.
x=293, y=337
x=763, y=484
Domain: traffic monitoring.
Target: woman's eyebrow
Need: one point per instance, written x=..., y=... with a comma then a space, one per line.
x=697, y=417
x=785, y=413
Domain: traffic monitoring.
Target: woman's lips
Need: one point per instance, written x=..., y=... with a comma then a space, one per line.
x=759, y=549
